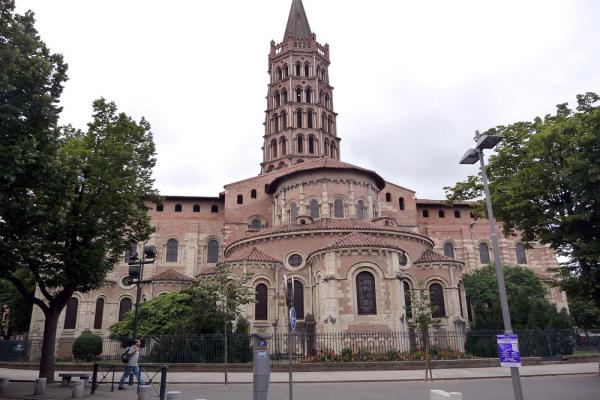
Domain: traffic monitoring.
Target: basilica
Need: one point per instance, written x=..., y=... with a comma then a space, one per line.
x=355, y=246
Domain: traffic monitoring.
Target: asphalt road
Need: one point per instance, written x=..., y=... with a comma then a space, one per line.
x=538, y=388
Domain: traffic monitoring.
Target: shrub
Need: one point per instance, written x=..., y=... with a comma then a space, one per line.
x=347, y=354
x=87, y=347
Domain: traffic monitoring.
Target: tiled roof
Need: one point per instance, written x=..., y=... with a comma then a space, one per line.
x=445, y=202
x=358, y=239
x=253, y=255
x=319, y=163
x=207, y=271
x=327, y=224
x=430, y=256
x=171, y=275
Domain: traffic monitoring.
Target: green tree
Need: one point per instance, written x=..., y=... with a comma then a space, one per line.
x=529, y=308
x=197, y=309
x=423, y=320
x=19, y=310
x=584, y=314
x=544, y=182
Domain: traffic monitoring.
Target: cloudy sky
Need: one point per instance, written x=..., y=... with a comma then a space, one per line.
x=413, y=79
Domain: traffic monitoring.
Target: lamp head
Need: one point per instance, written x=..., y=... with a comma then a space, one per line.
x=150, y=251
x=470, y=157
x=488, y=141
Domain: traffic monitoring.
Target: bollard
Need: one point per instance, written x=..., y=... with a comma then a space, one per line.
x=175, y=395
x=4, y=386
x=40, y=386
x=78, y=388
x=163, y=382
x=95, y=377
x=144, y=392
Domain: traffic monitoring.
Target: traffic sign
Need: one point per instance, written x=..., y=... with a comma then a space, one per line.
x=293, y=318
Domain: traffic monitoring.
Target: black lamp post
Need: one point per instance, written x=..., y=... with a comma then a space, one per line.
x=136, y=274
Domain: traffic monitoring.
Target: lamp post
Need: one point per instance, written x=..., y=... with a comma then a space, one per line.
x=136, y=274
x=471, y=157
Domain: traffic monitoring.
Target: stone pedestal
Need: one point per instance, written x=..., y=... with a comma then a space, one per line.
x=78, y=389
x=39, y=387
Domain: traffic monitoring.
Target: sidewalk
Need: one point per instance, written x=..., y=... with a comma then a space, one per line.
x=352, y=376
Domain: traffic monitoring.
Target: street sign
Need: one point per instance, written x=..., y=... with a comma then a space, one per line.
x=508, y=350
x=293, y=318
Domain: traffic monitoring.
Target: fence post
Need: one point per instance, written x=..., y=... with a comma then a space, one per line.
x=95, y=377
x=163, y=382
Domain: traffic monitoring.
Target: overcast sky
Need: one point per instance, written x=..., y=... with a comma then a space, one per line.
x=413, y=79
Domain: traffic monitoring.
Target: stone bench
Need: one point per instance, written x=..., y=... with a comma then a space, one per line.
x=67, y=376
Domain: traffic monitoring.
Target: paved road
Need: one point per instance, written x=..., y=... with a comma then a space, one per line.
x=574, y=387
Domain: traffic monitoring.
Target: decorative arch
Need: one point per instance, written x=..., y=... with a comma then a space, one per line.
x=484, y=253
x=172, y=250
x=311, y=141
x=449, y=250
x=338, y=208
x=293, y=212
x=309, y=119
x=308, y=95
x=276, y=99
x=212, y=251
x=300, y=143
x=360, y=209
x=326, y=146
x=284, y=96
x=314, y=208
x=366, y=298
x=261, y=305
x=125, y=305
x=298, y=300
x=284, y=122
x=437, y=299
x=283, y=144
x=99, y=311
x=298, y=118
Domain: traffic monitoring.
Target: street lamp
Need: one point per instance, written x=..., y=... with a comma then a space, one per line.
x=471, y=157
x=136, y=274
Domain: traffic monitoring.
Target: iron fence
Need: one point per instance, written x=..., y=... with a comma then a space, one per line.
x=322, y=347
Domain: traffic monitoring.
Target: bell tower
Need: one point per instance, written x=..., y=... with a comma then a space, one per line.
x=300, y=123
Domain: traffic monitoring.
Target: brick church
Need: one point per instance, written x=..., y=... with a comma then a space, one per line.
x=355, y=245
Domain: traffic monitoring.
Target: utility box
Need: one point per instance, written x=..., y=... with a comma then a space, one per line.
x=262, y=366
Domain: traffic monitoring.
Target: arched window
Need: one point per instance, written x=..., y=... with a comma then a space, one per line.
x=196, y=208
x=338, y=208
x=273, y=149
x=277, y=99
x=240, y=198
x=124, y=307
x=293, y=212
x=261, y=305
x=306, y=70
x=484, y=253
x=300, y=144
x=178, y=207
x=407, y=299
x=318, y=72
x=299, y=95
x=520, y=252
x=172, y=246
x=275, y=123
x=311, y=144
x=360, y=209
x=214, y=208
x=309, y=119
x=283, y=143
x=159, y=208
x=326, y=101
x=71, y=313
x=313, y=205
x=425, y=213
x=298, y=69
x=99, y=313
x=131, y=251
x=324, y=122
x=332, y=150
x=255, y=223
x=283, y=120
x=388, y=197
x=286, y=72
x=401, y=203
x=298, y=118
x=326, y=146
x=253, y=193
x=448, y=249
x=374, y=210
x=441, y=214
x=279, y=73
x=307, y=95
x=365, y=294
x=456, y=214
x=212, y=252
x=284, y=97
x=330, y=124
x=436, y=296
x=298, y=301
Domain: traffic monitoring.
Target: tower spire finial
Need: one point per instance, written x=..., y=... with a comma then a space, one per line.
x=297, y=24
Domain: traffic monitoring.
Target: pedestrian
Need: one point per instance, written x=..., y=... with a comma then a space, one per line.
x=132, y=364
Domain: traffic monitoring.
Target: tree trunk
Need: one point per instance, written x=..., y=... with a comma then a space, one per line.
x=47, y=360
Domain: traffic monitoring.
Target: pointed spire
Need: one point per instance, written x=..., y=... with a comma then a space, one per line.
x=297, y=23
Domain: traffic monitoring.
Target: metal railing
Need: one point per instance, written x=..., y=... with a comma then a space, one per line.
x=327, y=347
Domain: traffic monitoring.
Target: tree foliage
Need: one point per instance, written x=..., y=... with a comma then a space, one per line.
x=197, y=309
x=529, y=308
x=69, y=199
x=19, y=310
x=545, y=184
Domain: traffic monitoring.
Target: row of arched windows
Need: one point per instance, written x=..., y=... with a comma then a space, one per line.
x=442, y=214
x=302, y=119
x=196, y=208
x=301, y=70
x=72, y=307
x=301, y=95
x=212, y=251
x=310, y=145
x=388, y=199
x=261, y=305
x=484, y=252
x=240, y=197
x=337, y=210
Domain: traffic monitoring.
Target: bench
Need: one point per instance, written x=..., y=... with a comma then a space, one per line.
x=66, y=377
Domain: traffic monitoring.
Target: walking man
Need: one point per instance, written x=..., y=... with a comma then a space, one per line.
x=132, y=365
